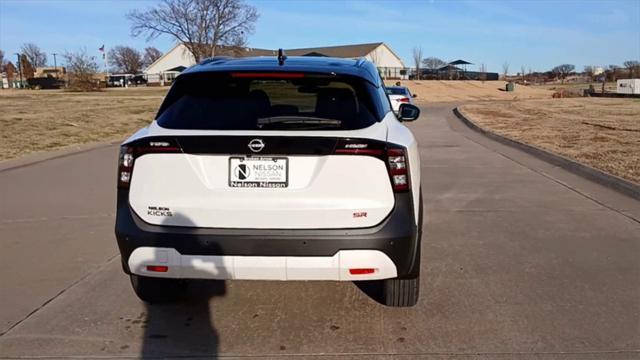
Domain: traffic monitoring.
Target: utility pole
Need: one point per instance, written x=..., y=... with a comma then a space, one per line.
x=55, y=66
x=19, y=69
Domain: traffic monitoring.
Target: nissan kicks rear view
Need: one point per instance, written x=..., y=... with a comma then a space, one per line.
x=258, y=170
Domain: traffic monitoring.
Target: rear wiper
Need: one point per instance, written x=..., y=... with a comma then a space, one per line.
x=298, y=120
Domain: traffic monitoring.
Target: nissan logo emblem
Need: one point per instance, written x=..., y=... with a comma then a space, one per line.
x=256, y=145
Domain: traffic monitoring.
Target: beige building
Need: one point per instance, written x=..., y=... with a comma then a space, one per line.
x=169, y=65
x=50, y=71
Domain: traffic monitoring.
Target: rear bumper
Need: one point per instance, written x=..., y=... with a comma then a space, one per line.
x=397, y=238
x=346, y=265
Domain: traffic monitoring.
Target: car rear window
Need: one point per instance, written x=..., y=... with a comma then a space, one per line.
x=268, y=101
x=396, y=91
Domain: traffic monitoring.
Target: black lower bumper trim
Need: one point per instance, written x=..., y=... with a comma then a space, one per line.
x=397, y=236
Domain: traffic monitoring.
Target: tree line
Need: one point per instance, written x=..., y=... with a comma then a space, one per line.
x=561, y=72
x=120, y=58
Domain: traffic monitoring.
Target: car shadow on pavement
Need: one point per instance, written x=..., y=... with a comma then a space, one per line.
x=184, y=328
x=373, y=289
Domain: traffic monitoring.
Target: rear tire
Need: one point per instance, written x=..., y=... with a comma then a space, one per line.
x=157, y=290
x=401, y=292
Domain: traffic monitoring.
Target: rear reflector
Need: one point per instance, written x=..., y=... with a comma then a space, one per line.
x=267, y=75
x=157, y=268
x=363, y=271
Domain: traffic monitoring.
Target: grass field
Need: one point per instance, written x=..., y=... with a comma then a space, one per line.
x=431, y=91
x=32, y=121
x=600, y=132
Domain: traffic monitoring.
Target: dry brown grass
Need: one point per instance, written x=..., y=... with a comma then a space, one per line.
x=600, y=132
x=433, y=91
x=578, y=87
x=32, y=121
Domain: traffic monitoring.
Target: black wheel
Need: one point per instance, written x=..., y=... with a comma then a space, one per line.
x=157, y=290
x=401, y=292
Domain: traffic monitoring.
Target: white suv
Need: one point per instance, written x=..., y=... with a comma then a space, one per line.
x=261, y=169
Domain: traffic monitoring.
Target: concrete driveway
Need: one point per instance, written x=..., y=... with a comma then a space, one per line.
x=520, y=260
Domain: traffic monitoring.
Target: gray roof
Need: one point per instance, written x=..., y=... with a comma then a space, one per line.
x=340, y=51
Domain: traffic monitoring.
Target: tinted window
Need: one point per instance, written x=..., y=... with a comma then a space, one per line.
x=396, y=91
x=225, y=102
x=384, y=100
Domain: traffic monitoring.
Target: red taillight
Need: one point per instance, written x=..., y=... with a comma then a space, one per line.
x=157, y=268
x=129, y=153
x=398, y=169
x=125, y=166
x=394, y=155
x=363, y=271
x=403, y=100
x=267, y=75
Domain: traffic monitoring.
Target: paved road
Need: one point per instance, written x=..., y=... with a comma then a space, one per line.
x=520, y=260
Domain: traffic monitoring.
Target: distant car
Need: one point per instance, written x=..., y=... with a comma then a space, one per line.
x=138, y=80
x=256, y=169
x=399, y=95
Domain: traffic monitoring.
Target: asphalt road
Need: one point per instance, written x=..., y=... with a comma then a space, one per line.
x=520, y=260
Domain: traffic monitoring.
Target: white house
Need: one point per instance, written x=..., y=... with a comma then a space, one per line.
x=177, y=59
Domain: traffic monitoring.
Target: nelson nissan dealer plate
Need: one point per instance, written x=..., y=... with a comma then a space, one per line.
x=258, y=172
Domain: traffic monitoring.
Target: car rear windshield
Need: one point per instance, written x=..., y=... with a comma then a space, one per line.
x=396, y=91
x=268, y=101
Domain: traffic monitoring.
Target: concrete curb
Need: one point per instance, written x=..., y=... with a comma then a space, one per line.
x=42, y=156
x=616, y=183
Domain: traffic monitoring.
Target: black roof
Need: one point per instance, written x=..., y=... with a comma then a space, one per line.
x=449, y=67
x=460, y=62
x=323, y=65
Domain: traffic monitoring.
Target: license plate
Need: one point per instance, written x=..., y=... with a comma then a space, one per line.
x=258, y=172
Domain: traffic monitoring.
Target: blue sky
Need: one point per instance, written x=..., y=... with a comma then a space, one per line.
x=537, y=34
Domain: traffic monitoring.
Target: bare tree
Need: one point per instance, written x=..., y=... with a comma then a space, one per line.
x=612, y=73
x=483, y=72
x=417, y=60
x=26, y=68
x=1, y=61
x=82, y=70
x=201, y=25
x=36, y=57
x=433, y=63
x=505, y=70
x=125, y=59
x=562, y=71
x=11, y=72
x=589, y=71
x=633, y=66
x=523, y=72
x=151, y=54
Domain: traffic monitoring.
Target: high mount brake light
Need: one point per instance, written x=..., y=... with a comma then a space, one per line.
x=395, y=157
x=267, y=75
x=129, y=153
